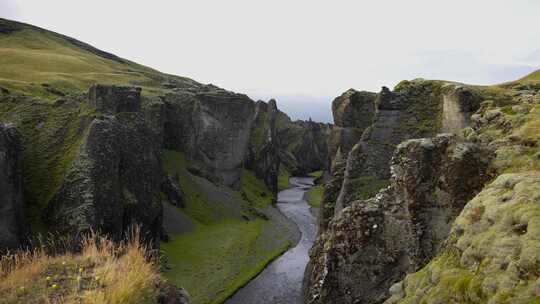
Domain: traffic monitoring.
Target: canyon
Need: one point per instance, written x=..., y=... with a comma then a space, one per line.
x=428, y=191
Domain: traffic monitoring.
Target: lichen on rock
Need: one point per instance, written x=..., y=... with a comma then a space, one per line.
x=374, y=243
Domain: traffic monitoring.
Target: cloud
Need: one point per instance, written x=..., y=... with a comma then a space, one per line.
x=9, y=9
x=311, y=48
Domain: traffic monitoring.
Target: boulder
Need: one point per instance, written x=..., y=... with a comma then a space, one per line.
x=170, y=294
x=12, y=224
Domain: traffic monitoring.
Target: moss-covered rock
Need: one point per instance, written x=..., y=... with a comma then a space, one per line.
x=114, y=181
x=374, y=243
x=492, y=254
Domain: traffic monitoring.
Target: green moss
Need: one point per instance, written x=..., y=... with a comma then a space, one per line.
x=508, y=110
x=256, y=192
x=225, y=251
x=216, y=260
x=198, y=206
x=316, y=174
x=368, y=186
x=52, y=137
x=283, y=179
x=314, y=196
x=259, y=131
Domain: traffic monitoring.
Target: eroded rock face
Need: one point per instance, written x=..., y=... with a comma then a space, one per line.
x=374, y=243
x=353, y=112
x=212, y=126
x=114, y=182
x=12, y=227
x=331, y=191
x=263, y=157
x=113, y=99
x=415, y=109
x=303, y=144
x=492, y=252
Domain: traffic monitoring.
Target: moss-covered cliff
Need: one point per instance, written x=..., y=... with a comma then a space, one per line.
x=479, y=250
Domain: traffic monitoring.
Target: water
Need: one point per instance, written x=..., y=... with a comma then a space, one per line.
x=281, y=281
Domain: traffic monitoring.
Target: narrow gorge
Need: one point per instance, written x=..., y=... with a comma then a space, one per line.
x=123, y=184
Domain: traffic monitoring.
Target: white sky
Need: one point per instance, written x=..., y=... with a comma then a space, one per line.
x=304, y=51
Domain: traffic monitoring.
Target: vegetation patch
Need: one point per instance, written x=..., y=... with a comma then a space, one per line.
x=255, y=190
x=368, y=186
x=103, y=273
x=225, y=251
x=198, y=206
x=52, y=137
x=216, y=260
x=316, y=174
x=283, y=179
x=314, y=195
x=43, y=63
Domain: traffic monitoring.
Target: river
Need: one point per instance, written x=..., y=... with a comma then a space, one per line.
x=281, y=281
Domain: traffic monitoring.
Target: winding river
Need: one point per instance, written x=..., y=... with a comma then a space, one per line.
x=281, y=281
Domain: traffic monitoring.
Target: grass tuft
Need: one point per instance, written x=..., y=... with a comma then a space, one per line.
x=103, y=272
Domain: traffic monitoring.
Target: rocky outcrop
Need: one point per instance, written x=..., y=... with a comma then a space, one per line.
x=302, y=144
x=115, y=180
x=415, y=109
x=374, y=243
x=12, y=224
x=262, y=156
x=491, y=255
x=112, y=99
x=353, y=112
x=212, y=126
x=331, y=190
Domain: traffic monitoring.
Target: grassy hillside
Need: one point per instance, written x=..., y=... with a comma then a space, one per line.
x=46, y=64
x=532, y=78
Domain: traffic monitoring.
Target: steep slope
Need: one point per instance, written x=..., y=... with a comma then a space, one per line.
x=302, y=144
x=12, y=224
x=47, y=64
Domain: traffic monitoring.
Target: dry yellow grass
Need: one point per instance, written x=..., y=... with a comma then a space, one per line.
x=103, y=272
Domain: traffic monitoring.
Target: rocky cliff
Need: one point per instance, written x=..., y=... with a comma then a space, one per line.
x=373, y=243
x=115, y=179
x=263, y=150
x=212, y=126
x=436, y=226
x=302, y=144
x=12, y=223
x=491, y=253
x=415, y=109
